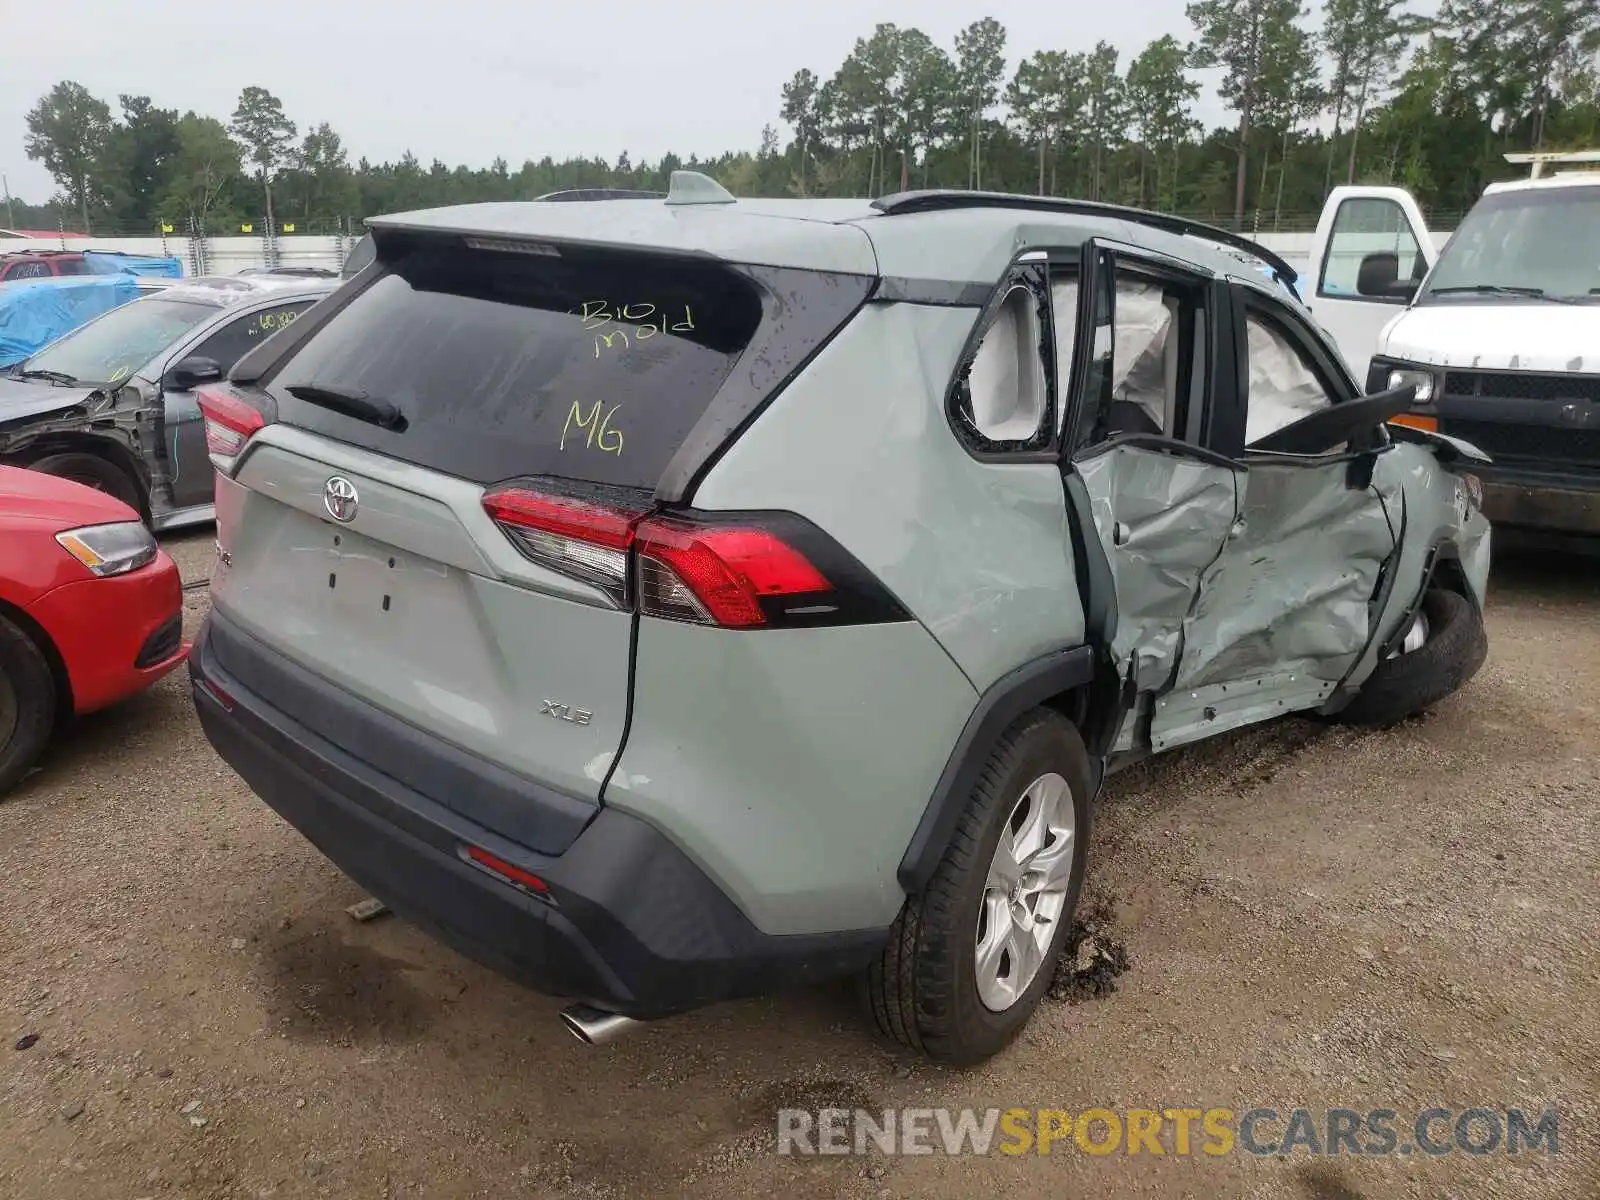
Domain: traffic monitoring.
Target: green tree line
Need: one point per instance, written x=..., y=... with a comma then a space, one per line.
x=1372, y=92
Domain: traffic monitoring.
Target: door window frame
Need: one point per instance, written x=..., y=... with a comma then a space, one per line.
x=1207, y=303
x=1029, y=270
x=229, y=316
x=1323, y=361
x=1321, y=292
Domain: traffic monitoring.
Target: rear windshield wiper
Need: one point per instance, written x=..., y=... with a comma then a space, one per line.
x=352, y=404
x=1498, y=289
x=60, y=377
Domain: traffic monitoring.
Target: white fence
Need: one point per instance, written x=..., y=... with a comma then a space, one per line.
x=211, y=255
x=229, y=255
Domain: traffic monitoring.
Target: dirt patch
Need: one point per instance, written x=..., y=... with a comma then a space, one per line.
x=1324, y=1181
x=1093, y=957
x=322, y=988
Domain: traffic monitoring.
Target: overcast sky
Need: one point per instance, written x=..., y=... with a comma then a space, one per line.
x=466, y=80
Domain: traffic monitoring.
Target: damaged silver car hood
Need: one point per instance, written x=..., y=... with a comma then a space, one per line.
x=24, y=398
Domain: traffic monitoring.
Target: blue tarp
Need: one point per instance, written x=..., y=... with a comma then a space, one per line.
x=35, y=312
x=104, y=262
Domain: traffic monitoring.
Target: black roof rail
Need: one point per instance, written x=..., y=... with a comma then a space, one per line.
x=946, y=199
x=600, y=193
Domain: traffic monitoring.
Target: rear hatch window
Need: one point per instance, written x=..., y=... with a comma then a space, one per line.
x=583, y=365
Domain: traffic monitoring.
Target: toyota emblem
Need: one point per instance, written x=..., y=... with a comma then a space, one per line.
x=340, y=499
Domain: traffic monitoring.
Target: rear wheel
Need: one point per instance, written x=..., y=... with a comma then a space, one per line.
x=970, y=958
x=27, y=704
x=1442, y=648
x=93, y=471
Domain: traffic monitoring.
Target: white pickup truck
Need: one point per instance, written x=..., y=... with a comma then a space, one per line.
x=1498, y=327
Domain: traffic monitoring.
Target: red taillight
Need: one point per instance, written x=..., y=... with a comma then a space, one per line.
x=712, y=575
x=718, y=575
x=579, y=539
x=510, y=872
x=229, y=420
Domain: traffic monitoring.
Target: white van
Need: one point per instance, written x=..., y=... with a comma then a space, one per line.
x=1498, y=327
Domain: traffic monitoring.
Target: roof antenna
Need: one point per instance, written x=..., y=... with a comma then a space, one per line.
x=691, y=187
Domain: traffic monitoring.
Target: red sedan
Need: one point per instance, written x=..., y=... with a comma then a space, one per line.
x=91, y=609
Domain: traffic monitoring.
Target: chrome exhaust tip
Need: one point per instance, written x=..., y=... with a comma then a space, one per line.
x=593, y=1027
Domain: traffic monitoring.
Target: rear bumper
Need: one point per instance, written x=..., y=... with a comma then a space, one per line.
x=631, y=925
x=1563, y=505
x=116, y=636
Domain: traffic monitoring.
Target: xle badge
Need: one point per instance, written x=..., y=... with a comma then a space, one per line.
x=565, y=712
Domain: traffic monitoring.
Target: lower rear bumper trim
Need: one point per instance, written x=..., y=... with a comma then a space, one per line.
x=631, y=924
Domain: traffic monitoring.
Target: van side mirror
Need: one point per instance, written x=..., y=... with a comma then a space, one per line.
x=190, y=373
x=1379, y=276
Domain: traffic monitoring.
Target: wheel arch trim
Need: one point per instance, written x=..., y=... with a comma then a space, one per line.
x=1027, y=686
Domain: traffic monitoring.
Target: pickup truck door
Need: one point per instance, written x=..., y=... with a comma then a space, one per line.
x=1358, y=222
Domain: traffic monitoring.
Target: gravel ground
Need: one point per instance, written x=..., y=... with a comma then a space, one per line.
x=1314, y=917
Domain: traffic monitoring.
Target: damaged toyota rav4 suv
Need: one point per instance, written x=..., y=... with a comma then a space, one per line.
x=672, y=600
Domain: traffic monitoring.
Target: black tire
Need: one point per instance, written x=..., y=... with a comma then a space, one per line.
x=923, y=991
x=27, y=704
x=93, y=471
x=1406, y=684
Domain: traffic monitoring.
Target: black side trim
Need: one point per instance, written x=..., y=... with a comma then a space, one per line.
x=940, y=293
x=530, y=814
x=1006, y=700
x=1444, y=552
x=805, y=310
x=1097, y=587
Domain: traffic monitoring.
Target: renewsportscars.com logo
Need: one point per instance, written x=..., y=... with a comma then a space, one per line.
x=1375, y=1132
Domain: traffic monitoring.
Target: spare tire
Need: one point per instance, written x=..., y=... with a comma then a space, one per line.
x=1453, y=647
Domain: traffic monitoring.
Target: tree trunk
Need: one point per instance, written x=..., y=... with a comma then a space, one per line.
x=1333, y=147
x=1261, y=189
x=1355, y=131
x=977, y=150
x=1244, y=167
x=1283, y=169
x=1041, y=163
x=1144, y=166
x=83, y=203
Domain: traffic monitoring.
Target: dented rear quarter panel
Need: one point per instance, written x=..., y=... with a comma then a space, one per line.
x=979, y=552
